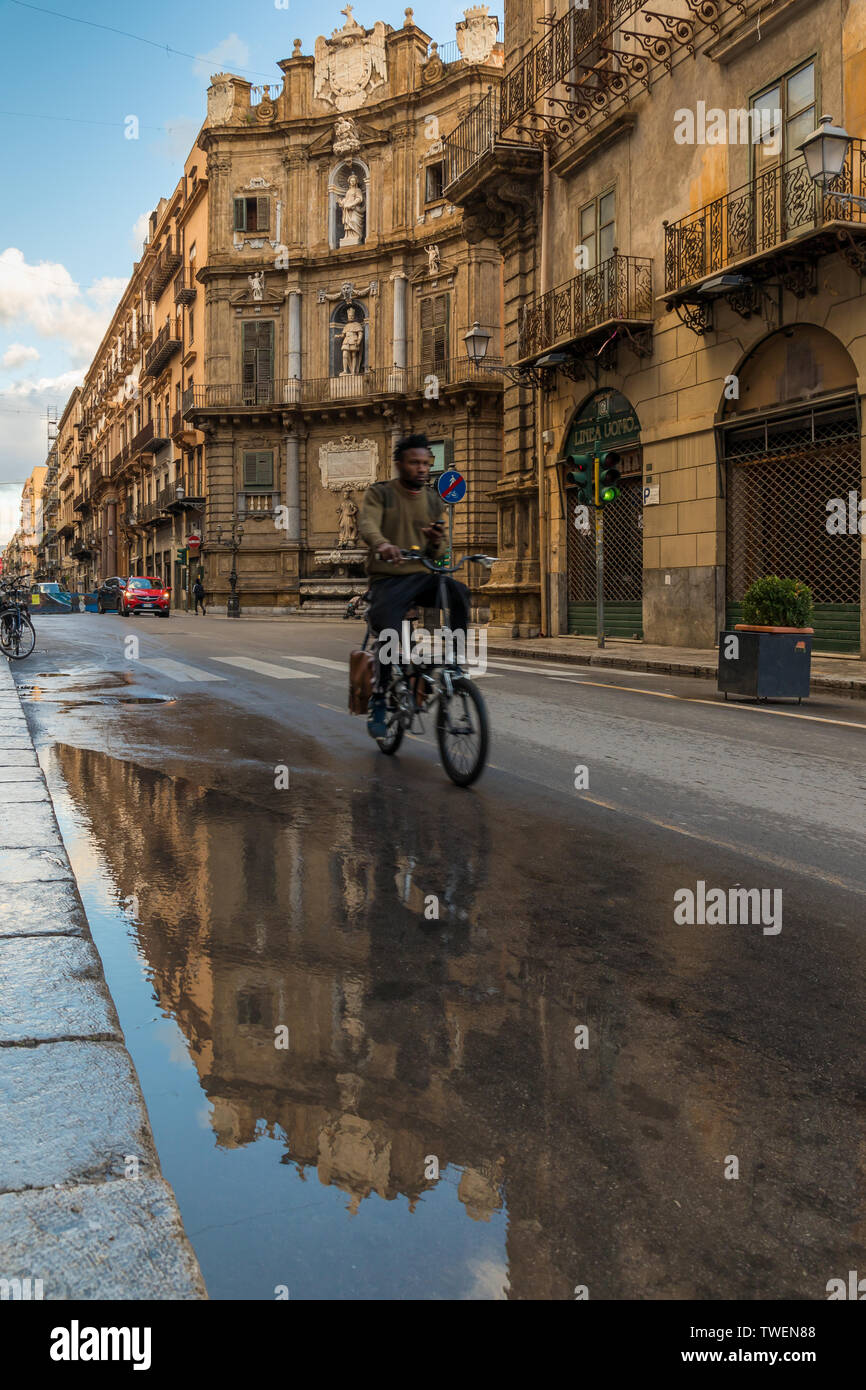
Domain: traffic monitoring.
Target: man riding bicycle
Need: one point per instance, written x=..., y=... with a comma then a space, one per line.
x=395, y=516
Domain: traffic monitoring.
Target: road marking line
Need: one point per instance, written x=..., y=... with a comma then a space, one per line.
x=716, y=704
x=314, y=661
x=178, y=670
x=266, y=668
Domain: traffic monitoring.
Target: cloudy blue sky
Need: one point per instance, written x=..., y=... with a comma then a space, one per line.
x=77, y=193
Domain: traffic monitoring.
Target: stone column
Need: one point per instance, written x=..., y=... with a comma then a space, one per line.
x=293, y=489
x=400, y=282
x=111, y=538
x=294, y=362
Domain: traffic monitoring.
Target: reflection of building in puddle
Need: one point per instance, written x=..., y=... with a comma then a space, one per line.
x=411, y=1038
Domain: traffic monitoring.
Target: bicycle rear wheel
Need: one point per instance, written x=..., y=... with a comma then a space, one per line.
x=462, y=732
x=6, y=633
x=23, y=640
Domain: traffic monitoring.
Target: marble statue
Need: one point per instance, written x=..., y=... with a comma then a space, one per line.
x=352, y=344
x=352, y=207
x=348, y=521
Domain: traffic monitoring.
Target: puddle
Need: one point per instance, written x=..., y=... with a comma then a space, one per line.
x=34, y=694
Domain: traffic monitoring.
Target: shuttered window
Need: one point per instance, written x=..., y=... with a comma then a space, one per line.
x=258, y=470
x=434, y=331
x=258, y=362
x=252, y=214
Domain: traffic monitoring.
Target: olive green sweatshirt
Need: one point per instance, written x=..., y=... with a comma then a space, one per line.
x=390, y=513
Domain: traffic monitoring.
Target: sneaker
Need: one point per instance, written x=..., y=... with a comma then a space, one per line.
x=377, y=725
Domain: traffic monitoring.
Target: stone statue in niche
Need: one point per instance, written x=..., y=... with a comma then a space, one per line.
x=352, y=207
x=434, y=262
x=348, y=521
x=352, y=344
x=257, y=284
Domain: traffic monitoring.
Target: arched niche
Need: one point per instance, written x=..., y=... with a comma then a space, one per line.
x=338, y=185
x=793, y=365
x=340, y=316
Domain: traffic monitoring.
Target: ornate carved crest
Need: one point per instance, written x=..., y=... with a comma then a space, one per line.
x=350, y=64
x=476, y=34
x=220, y=99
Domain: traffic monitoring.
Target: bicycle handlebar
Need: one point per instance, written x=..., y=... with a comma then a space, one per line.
x=488, y=561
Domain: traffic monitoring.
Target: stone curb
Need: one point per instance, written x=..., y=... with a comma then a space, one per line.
x=84, y=1207
x=854, y=687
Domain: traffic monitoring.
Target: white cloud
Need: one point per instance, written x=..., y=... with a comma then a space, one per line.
x=227, y=55
x=52, y=387
x=17, y=354
x=46, y=298
x=140, y=228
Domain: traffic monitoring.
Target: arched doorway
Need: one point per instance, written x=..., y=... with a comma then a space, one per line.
x=790, y=442
x=608, y=419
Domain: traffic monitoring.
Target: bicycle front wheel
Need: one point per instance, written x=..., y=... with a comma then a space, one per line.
x=23, y=641
x=7, y=635
x=394, y=737
x=462, y=732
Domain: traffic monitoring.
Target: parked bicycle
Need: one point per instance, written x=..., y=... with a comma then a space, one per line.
x=413, y=689
x=17, y=634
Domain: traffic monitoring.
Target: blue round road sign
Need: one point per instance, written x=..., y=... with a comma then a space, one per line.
x=451, y=486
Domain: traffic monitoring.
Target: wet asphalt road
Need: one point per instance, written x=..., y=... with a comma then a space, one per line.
x=431, y=1130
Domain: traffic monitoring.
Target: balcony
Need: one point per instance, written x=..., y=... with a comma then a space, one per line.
x=85, y=545
x=168, y=261
x=612, y=300
x=185, y=287
x=377, y=382
x=148, y=441
x=81, y=501
x=114, y=464
x=487, y=174
x=161, y=351
x=776, y=226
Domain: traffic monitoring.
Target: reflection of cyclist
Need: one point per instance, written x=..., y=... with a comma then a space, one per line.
x=395, y=516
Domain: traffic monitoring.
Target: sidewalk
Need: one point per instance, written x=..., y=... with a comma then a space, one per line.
x=72, y=1116
x=833, y=675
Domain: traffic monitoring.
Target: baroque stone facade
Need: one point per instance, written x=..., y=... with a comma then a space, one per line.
x=338, y=288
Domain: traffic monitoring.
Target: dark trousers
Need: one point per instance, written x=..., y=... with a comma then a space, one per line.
x=199, y=599
x=391, y=599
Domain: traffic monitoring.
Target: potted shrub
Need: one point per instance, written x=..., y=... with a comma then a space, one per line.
x=769, y=655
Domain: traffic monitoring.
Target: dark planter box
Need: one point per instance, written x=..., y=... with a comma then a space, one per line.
x=770, y=665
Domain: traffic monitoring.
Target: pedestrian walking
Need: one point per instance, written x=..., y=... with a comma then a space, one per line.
x=198, y=595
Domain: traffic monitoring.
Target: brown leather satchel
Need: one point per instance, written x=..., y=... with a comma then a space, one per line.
x=361, y=677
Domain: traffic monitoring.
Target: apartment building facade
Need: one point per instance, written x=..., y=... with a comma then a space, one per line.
x=132, y=473
x=677, y=287
x=338, y=288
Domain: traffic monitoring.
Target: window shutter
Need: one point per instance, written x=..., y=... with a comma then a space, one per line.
x=440, y=330
x=240, y=219
x=259, y=469
x=263, y=214
x=427, y=334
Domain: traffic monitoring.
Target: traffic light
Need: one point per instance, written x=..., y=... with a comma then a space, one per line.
x=579, y=474
x=609, y=475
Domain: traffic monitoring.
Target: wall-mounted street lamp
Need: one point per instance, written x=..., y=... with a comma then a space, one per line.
x=477, y=342
x=233, y=607
x=825, y=152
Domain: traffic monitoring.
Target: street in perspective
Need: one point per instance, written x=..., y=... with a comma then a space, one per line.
x=433, y=680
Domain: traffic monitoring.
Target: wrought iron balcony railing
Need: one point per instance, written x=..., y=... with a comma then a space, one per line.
x=472, y=137
x=618, y=290
x=164, y=346
x=777, y=206
x=167, y=262
x=378, y=381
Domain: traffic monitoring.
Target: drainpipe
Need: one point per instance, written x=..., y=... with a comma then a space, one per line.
x=543, y=558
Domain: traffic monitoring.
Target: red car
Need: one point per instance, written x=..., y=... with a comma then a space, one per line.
x=145, y=594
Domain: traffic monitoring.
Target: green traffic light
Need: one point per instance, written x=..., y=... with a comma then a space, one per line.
x=610, y=494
